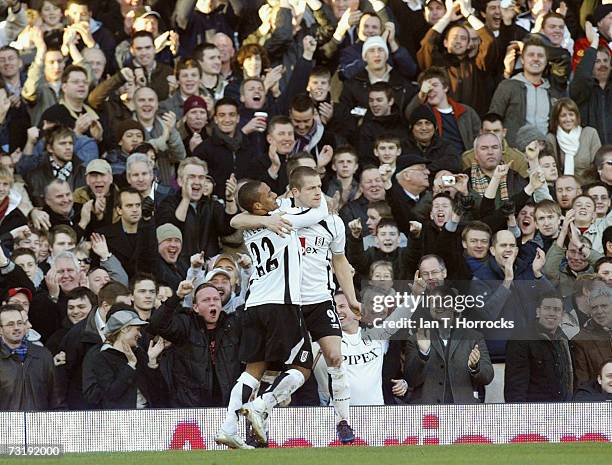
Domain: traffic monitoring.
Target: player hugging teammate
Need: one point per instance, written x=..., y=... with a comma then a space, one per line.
x=288, y=297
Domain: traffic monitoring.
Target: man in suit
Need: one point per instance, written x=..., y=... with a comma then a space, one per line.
x=447, y=364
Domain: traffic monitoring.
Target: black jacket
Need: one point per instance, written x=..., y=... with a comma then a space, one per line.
x=354, y=209
x=536, y=366
x=111, y=383
x=136, y=252
x=193, y=367
x=202, y=226
x=592, y=393
x=42, y=175
x=30, y=385
x=355, y=94
x=56, y=218
x=170, y=274
x=13, y=219
x=223, y=161
x=78, y=341
x=405, y=209
x=376, y=126
x=593, y=101
x=362, y=259
x=443, y=156
x=45, y=315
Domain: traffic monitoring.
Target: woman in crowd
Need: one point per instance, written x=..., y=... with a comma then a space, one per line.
x=573, y=145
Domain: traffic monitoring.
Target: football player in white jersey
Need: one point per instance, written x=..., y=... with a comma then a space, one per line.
x=273, y=331
x=363, y=351
x=322, y=247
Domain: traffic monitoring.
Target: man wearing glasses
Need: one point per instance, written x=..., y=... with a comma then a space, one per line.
x=26, y=369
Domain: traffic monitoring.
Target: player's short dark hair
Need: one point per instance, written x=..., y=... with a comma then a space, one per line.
x=72, y=69
x=296, y=180
x=144, y=148
x=367, y=168
x=57, y=132
x=346, y=149
x=382, y=207
x=249, y=194
x=20, y=251
x=534, y=41
x=10, y=308
x=603, y=364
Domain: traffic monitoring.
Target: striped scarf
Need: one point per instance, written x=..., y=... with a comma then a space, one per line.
x=61, y=172
x=480, y=182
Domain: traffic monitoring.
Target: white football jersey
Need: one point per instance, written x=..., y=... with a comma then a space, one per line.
x=318, y=243
x=277, y=274
x=363, y=361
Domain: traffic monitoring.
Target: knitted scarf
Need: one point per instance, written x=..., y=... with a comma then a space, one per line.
x=480, y=182
x=309, y=141
x=569, y=143
x=60, y=172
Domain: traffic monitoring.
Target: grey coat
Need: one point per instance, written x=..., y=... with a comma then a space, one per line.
x=510, y=101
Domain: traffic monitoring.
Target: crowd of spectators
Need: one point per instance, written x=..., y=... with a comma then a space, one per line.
x=466, y=145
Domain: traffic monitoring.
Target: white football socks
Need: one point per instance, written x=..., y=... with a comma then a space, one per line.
x=241, y=392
